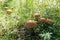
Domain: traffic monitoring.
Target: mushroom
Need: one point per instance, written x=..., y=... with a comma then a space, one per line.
x=30, y=24
x=42, y=19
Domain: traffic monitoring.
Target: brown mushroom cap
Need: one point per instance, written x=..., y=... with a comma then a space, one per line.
x=6, y=8
x=42, y=19
x=9, y=11
x=49, y=21
x=30, y=24
x=36, y=15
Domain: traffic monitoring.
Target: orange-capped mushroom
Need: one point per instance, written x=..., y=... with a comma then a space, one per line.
x=9, y=11
x=42, y=19
x=49, y=21
x=36, y=15
x=30, y=24
x=6, y=8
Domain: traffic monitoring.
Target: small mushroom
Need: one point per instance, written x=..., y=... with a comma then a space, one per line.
x=30, y=24
x=9, y=11
x=36, y=15
x=6, y=8
x=42, y=19
x=49, y=21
